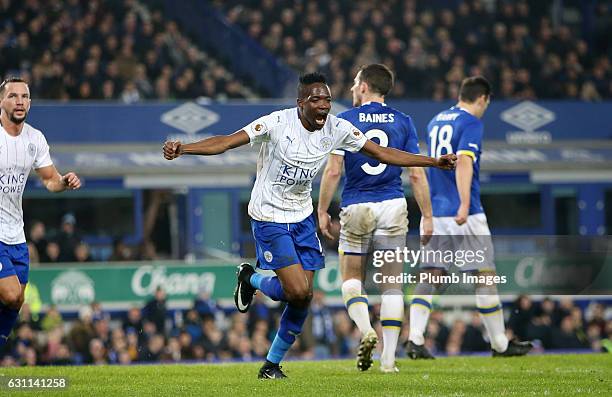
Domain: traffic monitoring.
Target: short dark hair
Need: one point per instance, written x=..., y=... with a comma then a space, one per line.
x=308, y=79
x=11, y=79
x=378, y=77
x=473, y=88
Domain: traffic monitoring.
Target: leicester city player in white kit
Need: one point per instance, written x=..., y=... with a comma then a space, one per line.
x=457, y=210
x=22, y=148
x=295, y=144
x=374, y=213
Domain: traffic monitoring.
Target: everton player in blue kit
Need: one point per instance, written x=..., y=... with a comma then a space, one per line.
x=457, y=211
x=374, y=213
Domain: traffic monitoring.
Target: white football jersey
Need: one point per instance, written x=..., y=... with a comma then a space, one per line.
x=290, y=158
x=18, y=155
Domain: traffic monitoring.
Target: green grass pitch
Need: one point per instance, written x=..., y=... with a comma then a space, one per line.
x=541, y=375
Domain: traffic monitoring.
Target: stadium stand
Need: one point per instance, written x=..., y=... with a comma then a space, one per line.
x=207, y=333
x=107, y=50
x=526, y=49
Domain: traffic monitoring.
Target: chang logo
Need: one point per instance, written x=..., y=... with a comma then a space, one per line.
x=72, y=287
x=528, y=116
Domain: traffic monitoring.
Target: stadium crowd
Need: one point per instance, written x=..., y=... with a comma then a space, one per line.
x=206, y=332
x=107, y=50
x=126, y=50
x=526, y=49
x=66, y=244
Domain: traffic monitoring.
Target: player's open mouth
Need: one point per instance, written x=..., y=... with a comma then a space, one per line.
x=321, y=120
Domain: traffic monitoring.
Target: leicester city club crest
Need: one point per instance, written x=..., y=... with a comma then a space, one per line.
x=32, y=150
x=326, y=143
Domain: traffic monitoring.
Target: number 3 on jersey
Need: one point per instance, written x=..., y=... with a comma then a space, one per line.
x=440, y=139
x=383, y=141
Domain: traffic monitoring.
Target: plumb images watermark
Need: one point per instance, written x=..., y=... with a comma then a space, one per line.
x=429, y=278
x=475, y=266
x=458, y=264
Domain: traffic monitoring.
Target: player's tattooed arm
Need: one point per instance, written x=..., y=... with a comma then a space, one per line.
x=388, y=155
x=55, y=182
x=206, y=147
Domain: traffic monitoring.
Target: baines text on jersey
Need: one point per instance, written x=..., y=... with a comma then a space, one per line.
x=376, y=117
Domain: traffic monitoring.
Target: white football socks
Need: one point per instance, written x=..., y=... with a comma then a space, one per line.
x=356, y=304
x=420, y=308
x=490, y=309
x=391, y=318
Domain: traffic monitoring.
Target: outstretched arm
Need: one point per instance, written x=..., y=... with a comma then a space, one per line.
x=55, y=182
x=206, y=147
x=400, y=158
x=329, y=184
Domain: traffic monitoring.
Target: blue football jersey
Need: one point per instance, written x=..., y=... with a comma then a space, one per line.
x=367, y=180
x=454, y=131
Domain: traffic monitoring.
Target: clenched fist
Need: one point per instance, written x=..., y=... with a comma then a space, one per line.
x=447, y=161
x=71, y=181
x=172, y=150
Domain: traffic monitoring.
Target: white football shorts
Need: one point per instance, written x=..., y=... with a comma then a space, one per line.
x=468, y=246
x=366, y=226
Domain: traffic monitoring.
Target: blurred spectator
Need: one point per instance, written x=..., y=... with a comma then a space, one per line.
x=53, y=319
x=192, y=324
x=322, y=325
x=68, y=239
x=213, y=340
x=204, y=305
x=97, y=352
x=437, y=333
x=26, y=317
x=39, y=239
x=121, y=252
x=259, y=310
x=520, y=317
x=97, y=313
x=81, y=334
x=130, y=93
x=473, y=338
x=81, y=252
x=153, y=350
x=155, y=310
x=566, y=336
x=133, y=321
x=53, y=252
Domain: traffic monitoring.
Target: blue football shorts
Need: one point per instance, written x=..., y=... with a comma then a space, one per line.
x=284, y=244
x=14, y=261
